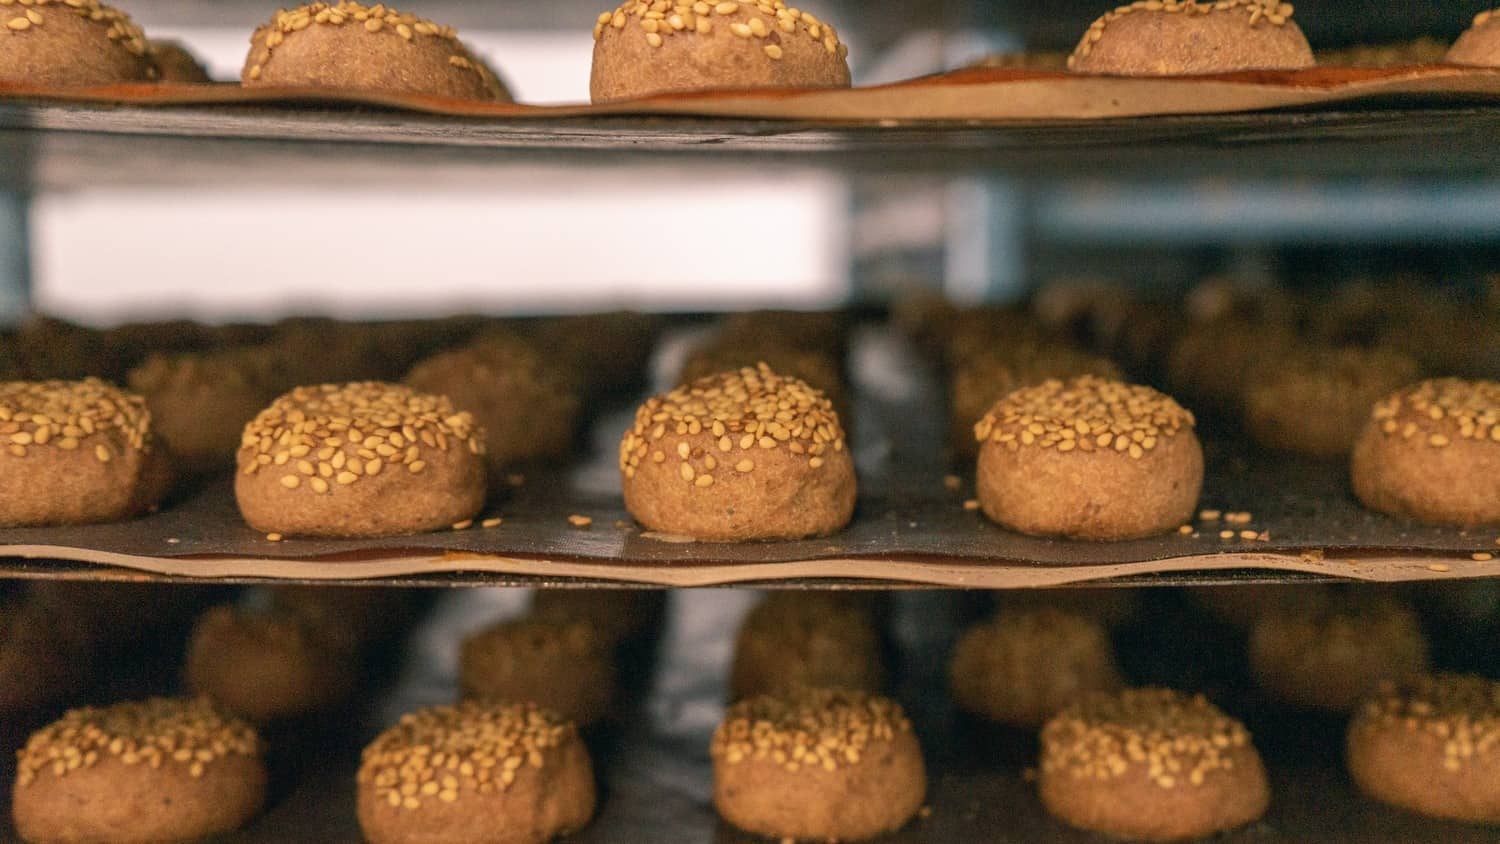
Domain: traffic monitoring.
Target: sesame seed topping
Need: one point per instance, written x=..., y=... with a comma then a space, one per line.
x=473, y=747
x=63, y=414
x=119, y=28
x=1131, y=419
x=191, y=733
x=1273, y=12
x=375, y=20
x=659, y=20
x=813, y=728
x=345, y=426
x=1444, y=409
x=1179, y=739
x=754, y=408
x=1461, y=710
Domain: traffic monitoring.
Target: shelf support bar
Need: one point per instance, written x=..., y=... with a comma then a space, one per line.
x=15, y=257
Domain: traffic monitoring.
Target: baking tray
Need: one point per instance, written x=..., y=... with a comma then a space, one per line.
x=911, y=525
x=656, y=775
x=970, y=94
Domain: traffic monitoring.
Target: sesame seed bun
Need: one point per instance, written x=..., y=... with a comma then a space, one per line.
x=1088, y=459
x=666, y=46
x=741, y=455
x=1431, y=452
x=983, y=378
x=822, y=765
x=562, y=666
x=1479, y=45
x=75, y=452
x=174, y=63
x=103, y=775
x=793, y=641
x=1317, y=402
x=1331, y=655
x=1169, y=38
x=359, y=459
x=350, y=46
x=71, y=42
x=263, y=666
x=1431, y=745
x=1150, y=765
x=522, y=776
x=527, y=403
x=1022, y=666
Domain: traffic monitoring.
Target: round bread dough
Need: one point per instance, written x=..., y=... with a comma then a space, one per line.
x=163, y=769
x=1169, y=38
x=793, y=641
x=45, y=657
x=669, y=46
x=1213, y=362
x=1150, y=765
x=1479, y=45
x=174, y=63
x=983, y=378
x=1431, y=452
x=265, y=666
x=741, y=455
x=1331, y=655
x=351, y=46
x=1023, y=666
x=528, y=405
x=1088, y=459
x=618, y=616
x=1431, y=745
x=522, y=776
x=360, y=459
x=74, y=452
x=200, y=402
x=564, y=667
x=820, y=764
x=64, y=43
x=1317, y=402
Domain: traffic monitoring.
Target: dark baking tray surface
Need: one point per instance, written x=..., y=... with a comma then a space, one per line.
x=909, y=526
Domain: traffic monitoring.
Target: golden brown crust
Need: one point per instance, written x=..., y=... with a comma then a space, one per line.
x=360, y=459
x=174, y=63
x=1170, y=38
x=1431, y=745
x=73, y=452
x=648, y=47
x=71, y=42
x=520, y=775
x=1431, y=452
x=1330, y=655
x=1479, y=45
x=527, y=405
x=1317, y=402
x=1152, y=765
x=154, y=770
x=792, y=641
x=351, y=46
x=264, y=666
x=562, y=666
x=825, y=765
x=1088, y=459
x=742, y=455
x=1022, y=666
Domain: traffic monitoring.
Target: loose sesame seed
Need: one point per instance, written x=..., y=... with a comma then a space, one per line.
x=971, y=504
x=1226, y=534
x=1185, y=530
x=463, y=525
x=580, y=521
x=1438, y=567
x=491, y=522
x=1482, y=556
x=274, y=537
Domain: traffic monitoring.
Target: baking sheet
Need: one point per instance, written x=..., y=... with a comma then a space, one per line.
x=909, y=526
x=970, y=94
x=656, y=775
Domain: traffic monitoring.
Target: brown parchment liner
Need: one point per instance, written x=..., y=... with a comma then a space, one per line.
x=979, y=94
